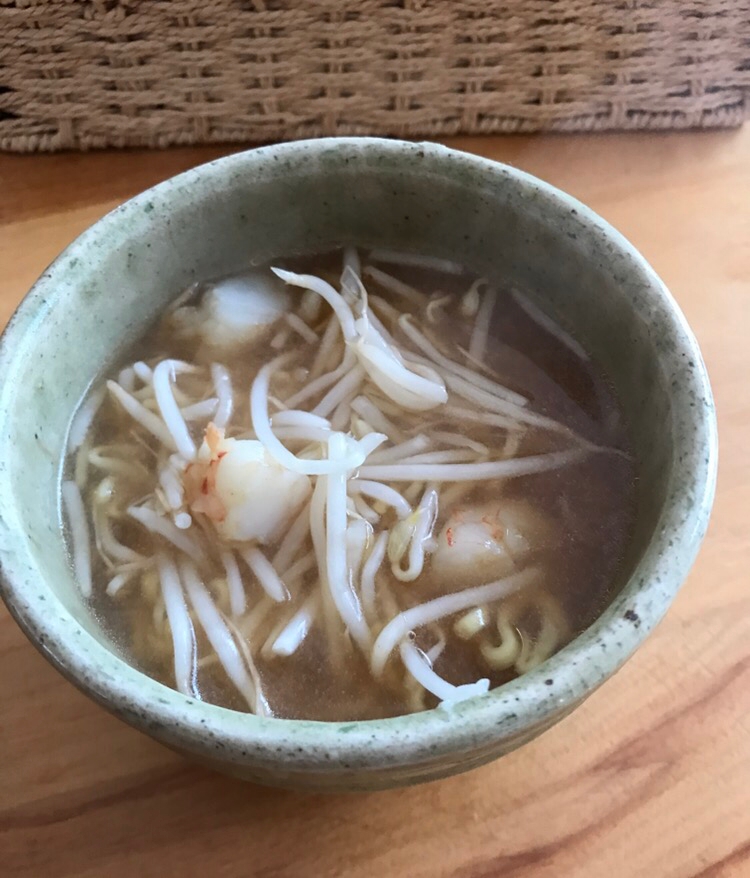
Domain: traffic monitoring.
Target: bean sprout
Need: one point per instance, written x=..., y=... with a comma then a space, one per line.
x=246, y=510
x=79, y=535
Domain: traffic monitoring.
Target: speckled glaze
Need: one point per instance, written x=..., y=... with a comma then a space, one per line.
x=112, y=282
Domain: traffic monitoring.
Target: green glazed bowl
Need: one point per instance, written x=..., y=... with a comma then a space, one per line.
x=113, y=281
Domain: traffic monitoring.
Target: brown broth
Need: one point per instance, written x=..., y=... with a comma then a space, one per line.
x=589, y=505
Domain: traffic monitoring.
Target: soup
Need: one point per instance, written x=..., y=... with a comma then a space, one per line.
x=346, y=489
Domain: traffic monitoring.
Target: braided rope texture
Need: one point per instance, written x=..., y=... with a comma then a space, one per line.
x=77, y=74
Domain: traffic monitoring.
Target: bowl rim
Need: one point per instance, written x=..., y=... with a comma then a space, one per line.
x=514, y=708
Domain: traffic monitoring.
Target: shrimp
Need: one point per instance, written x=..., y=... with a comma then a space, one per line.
x=242, y=490
x=487, y=542
x=234, y=311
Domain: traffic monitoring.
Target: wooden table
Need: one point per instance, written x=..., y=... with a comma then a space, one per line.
x=651, y=777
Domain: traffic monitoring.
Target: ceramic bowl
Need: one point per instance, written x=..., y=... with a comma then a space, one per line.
x=113, y=281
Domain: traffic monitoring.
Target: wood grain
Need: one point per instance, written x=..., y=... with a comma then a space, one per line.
x=651, y=777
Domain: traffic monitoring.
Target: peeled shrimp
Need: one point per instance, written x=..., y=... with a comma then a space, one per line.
x=242, y=489
x=235, y=310
x=487, y=542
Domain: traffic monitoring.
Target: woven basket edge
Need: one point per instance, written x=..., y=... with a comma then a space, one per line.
x=726, y=117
